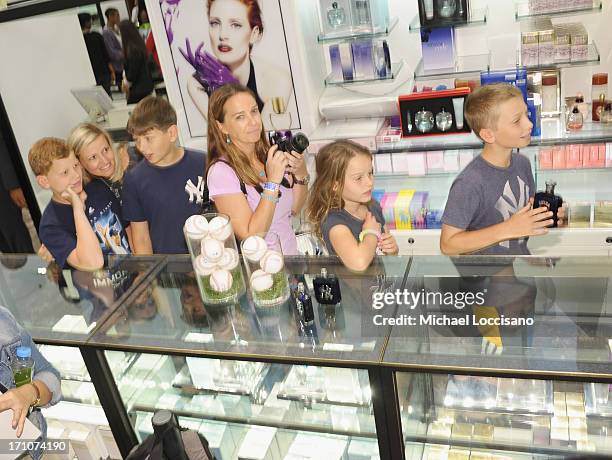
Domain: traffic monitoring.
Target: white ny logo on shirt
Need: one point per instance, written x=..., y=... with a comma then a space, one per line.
x=195, y=192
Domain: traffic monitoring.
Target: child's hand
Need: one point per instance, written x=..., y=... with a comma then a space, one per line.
x=528, y=222
x=276, y=164
x=371, y=223
x=45, y=254
x=76, y=200
x=387, y=244
x=562, y=216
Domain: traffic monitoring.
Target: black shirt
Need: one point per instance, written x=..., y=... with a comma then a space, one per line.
x=97, y=54
x=138, y=74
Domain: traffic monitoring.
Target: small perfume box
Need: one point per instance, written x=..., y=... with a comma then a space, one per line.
x=438, y=48
x=433, y=113
x=443, y=13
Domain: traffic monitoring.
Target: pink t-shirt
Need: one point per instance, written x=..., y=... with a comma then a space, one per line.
x=222, y=180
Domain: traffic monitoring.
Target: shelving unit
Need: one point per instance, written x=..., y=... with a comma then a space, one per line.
x=395, y=70
x=522, y=11
x=592, y=58
x=356, y=35
x=464, y=66
x=475, y=17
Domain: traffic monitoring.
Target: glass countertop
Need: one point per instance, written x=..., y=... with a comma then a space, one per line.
x=522, y=316
x=168, y=315
x=64, y=306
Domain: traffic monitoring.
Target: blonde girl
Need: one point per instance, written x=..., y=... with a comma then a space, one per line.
x=341, y=207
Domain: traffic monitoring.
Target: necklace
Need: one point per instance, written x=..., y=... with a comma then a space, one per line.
x=115, y=189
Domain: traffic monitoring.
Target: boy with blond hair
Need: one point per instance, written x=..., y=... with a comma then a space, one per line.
x=488, y=210
x=64, y=227
x=159, y=194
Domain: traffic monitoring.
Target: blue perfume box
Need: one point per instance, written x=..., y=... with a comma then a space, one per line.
x=336, y=63
x=363, y=59
x=438, y=48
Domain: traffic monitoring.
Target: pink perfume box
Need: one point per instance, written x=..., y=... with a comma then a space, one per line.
x=545, y=159
x=435, y=161
x=591, y=157
x=558, y=155
x=573, y=156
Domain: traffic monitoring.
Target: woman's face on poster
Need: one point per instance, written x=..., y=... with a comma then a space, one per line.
x=230, y=32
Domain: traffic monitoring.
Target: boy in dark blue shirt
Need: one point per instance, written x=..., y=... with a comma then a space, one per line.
x=64, y=227
x=159, y=194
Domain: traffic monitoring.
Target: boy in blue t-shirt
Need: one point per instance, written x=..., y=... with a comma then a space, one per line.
x=64, y=227
x=159, y=194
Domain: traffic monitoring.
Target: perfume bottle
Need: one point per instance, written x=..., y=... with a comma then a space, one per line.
x=550, y=200
x=336, y=17
x=424, y=120
x=606, y=114
x=361, y=12
x=447, y=8
x=408, y=122
x=574, y=120
x=327, y=288
x=444, y=120
x=304, y=305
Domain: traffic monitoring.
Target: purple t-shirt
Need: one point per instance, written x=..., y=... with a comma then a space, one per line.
x=222, y=180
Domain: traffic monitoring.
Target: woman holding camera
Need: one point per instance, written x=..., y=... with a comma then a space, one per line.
x=258, y=186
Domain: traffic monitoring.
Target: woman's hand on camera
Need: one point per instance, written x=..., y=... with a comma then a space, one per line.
x=297, y=165
x=18, y=399
x=276, y=164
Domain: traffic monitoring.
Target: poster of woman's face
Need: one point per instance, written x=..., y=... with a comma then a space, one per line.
x=214, y=42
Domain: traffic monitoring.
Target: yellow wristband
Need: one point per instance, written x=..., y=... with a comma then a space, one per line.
x=368, y=231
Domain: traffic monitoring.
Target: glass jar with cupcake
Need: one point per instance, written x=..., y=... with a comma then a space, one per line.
x=214, y=254
x=265, y=266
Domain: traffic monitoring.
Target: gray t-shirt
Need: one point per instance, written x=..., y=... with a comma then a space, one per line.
x=483, y=195
x=341, y=217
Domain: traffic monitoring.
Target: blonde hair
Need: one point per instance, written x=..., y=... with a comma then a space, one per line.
x=82, y=136
x=151, y=113
x=326, y=192
x=217, y=144
x=482, y=105
x=44, y=152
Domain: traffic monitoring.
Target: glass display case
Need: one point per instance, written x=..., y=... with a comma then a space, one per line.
x=579, y=162
x=255, y=380
x=525, y=386
x=60, y=308
x=504, y=358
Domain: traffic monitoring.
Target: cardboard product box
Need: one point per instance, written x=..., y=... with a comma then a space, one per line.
x=444, y=104
x=388, y=207
x=559, y=158
x=573, y=156
x=437, y=13
x=438, y=48
x=402, y=210
x=435, y=161
x=545, y=160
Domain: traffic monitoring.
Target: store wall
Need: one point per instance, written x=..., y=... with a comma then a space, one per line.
x=38, y=71
x=500, y=34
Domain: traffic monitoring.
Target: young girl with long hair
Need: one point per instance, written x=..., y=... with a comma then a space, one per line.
x=341, y=208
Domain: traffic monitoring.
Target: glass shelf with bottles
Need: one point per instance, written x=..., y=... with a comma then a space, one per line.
x=464, y=66
x=351, y=35
x=332, y=80
x=526, y=10
x=553, y=132
x=297, y=398
x=475, y=17
x=589, y=57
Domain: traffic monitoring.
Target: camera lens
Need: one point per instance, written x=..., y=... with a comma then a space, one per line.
x=299, y=143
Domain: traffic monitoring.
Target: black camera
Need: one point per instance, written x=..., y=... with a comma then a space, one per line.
x=288, y=142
